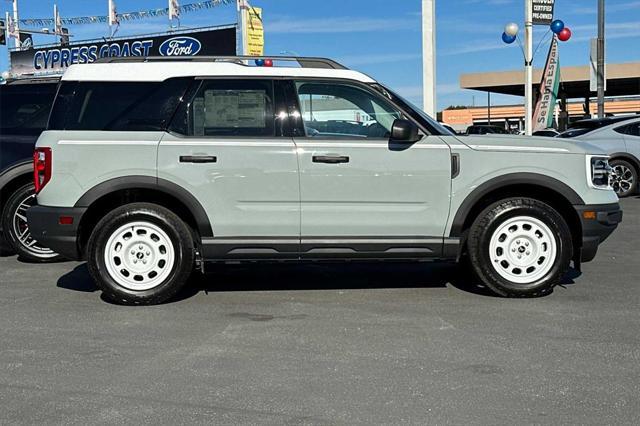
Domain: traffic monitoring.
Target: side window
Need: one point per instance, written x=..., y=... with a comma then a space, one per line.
x=116, y=106
x=24, y=108
x=341, y=110
x=228, y=108
x=634, y=129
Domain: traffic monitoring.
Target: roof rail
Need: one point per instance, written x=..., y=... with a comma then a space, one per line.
x=304, y=62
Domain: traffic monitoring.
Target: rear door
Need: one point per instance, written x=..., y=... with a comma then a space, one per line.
x=227, y=146
x=362, y=195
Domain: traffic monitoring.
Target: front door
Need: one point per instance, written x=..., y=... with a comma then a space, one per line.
x=226, y=146
x=363, y=195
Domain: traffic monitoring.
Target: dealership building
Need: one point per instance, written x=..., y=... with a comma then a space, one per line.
x=576, y=100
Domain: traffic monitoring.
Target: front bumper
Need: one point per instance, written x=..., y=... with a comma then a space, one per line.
x=598, y=222
x=45, y=227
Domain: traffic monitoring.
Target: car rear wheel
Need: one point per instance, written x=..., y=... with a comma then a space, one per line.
x=520, y=247
x=16, y=228
x=140, y=254
x=624, y=178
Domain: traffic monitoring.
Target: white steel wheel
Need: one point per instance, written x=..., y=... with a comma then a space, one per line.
x=523, y=250
x=139, y=256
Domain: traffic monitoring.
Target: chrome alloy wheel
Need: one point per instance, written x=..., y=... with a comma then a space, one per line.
x=523, y=249
x=23, y=234
x=621, y=179
x=139, y=256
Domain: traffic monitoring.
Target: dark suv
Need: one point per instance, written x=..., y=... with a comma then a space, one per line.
x=24, y=111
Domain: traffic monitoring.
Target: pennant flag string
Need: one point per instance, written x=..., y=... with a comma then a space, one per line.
x=127, y=16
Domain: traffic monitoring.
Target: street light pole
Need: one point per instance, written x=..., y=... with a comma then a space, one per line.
x=528, y=58
x=429, y=56
x=17, y=24
x=601, y=59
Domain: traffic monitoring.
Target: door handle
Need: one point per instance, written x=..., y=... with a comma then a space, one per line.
x=198, y=159
x=330, y=159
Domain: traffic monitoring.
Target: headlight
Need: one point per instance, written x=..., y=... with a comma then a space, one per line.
x=598, y=172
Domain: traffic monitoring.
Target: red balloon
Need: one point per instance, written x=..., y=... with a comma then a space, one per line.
x=565, y=34
x=268, y=63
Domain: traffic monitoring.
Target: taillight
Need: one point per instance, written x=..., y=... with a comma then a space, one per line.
x=41, y=167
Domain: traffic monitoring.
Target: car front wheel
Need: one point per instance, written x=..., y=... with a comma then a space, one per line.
x=624, y=178
x=520, y=247
x=16, y=228
x=140, y=253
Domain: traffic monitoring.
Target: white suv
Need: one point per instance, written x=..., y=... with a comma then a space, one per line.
x=152, y=166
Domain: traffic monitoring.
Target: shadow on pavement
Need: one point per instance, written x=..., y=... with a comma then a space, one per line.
x=324, y=276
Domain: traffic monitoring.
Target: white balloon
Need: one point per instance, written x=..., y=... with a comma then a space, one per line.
x=512, y=29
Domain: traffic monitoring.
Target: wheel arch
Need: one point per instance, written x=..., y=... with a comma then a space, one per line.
x=544, y=188
x=635, y=162
x=128, y=189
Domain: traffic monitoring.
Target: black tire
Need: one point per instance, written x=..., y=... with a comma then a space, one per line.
x=16, y=230
x=624, y=179
x=168, y=222
x=489, y=222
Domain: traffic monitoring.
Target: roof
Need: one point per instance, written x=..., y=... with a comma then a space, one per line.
x=622, y=80
x=596, y=123
x=157, y=69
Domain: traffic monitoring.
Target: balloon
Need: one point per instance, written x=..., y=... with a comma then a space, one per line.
x=507, y=38
x=511, y=29
x=260, y=62
x=565, y=34
x=557, y=26
x=268, y=63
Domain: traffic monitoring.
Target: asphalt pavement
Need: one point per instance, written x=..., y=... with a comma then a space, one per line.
x=325, y=344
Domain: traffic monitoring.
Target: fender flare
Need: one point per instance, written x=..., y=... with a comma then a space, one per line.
x=507, y=180
x=150, y=182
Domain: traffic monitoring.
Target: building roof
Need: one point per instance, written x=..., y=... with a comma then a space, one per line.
x=622, y=80
x=159, y=70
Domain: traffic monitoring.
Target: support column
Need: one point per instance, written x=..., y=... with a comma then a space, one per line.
x=429, y=56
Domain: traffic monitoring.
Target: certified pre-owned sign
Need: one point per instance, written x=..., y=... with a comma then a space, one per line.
x=543, y=11
x=55, y=59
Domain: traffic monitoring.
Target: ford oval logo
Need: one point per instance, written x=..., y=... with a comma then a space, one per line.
x=180, y=46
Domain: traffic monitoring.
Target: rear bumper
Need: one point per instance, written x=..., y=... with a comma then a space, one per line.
x=45, y=227
x=597, y=229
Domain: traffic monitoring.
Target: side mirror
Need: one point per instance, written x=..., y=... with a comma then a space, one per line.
x=404, y=131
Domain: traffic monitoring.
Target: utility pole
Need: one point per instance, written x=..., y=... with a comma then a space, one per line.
x=528, y=59
x=18, y=43
x=601, y=59
x=242, y=6
x=429, y=56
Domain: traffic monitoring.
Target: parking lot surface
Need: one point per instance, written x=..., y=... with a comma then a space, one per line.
x=325, y=344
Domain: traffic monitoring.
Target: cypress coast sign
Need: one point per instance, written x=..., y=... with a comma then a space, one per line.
x=55, y=59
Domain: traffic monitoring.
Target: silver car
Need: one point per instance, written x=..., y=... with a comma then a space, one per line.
x=620, y=138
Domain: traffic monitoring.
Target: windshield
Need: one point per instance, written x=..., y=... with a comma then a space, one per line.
x=572, y=133
x=416, y=113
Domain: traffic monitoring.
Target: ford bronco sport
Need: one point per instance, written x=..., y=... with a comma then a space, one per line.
x=152, y=167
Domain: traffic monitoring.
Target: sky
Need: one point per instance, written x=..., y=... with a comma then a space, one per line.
x=383, y=37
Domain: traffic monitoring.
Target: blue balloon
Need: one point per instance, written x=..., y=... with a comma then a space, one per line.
x=260, y=62
x=507, y=38
x=557, y=26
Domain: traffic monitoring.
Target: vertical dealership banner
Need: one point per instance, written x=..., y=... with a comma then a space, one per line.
x=543, y=11
x=254, y=31
x=210, y=41
x=543, y=115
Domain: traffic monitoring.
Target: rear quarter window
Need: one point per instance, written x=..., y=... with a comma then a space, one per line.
x=117, y=106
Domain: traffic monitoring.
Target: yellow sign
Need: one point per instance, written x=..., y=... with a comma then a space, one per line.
x=254, y=31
